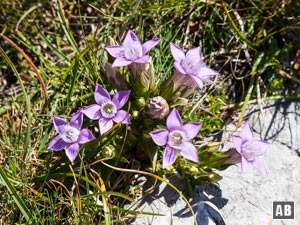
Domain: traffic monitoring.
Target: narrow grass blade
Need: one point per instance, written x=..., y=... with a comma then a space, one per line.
x=27, y=101
x=5, y=181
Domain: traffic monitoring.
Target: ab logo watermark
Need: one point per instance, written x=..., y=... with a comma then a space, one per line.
x=284, y=210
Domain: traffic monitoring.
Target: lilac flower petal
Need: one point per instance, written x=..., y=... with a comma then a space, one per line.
x=72, y=151
x=76, y=120
x=237, y=142
x=179, y=68
x=148, y=45
x=92, y=112
x=198, y=81
x=130, y=37
x=121, y=62
x=57, y=144
x=261, y=147
x=210, y=82
x=194, y=55
x=245, y=166
x=105, y=125
x=122, y=116
x=169, y=157
x=101, y=94
x=160, y=137
x=174, y=120
x=120, y=98
x=258, y=164
x=58, y=122
x=207, y=72
x=189, y=151
x=192, y=129
x=177, y=52
x=143, y=59
x=247, y=132
x=115, y=51
x=85, y=136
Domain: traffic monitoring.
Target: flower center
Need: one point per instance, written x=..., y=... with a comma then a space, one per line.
x=69, y=134
x=191, y=66
x=108, y=109
x=176, y=138
x=133, y=51
x=249, y=151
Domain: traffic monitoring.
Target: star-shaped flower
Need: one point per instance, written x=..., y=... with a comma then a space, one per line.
x=132, y=51
x=191, y=64
x=108, y=110
x=250, y=149
x=70, y=135
x=177, y=138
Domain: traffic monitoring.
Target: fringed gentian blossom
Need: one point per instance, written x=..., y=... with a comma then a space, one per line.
x=108, y=110
x=70, y=135
x=191, y=64
x=250, y=149
x=177, y=138
x=132, y=51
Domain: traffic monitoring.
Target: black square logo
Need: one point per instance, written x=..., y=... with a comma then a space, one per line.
x=284, y=210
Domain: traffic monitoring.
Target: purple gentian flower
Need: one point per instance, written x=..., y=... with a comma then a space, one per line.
x=70, y=135
x=192, y=65
x=177, y=138
x=250, y=149
x=108, y=110
x=132, y=51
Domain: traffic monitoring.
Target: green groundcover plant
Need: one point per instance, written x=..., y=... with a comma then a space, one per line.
x=140, y=118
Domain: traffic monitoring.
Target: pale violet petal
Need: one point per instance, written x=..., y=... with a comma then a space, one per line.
x=120, y=98
x=105, y=125
x=76, y=120
x=245, y=165
x=206, y=72
x=115, y=51
x=160, y=137
x=59, y=122
x=169, y=157
x=148, y=45
x=72, y=151
x=237, y=142
x=247, y=132
x=258, y=164
x=198, y=81
x=189, y=151
x=192, y=129
x=179, y=68
x=261, y=147
x=119, y=62
x=177, y=52
x=101, y=94
x=143, y=59
x=122, y=117
x=131, y=38
x=174, y=120
x=57, y=144
x=85, y=136
x=194, y=55
x=93, y=112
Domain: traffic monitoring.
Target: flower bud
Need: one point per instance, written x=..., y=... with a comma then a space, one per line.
x=157, y=108
x=114, y=77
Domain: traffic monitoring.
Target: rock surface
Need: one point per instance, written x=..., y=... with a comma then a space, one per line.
x=243, y=199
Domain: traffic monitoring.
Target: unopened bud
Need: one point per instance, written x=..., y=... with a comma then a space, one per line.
x=157, y=108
